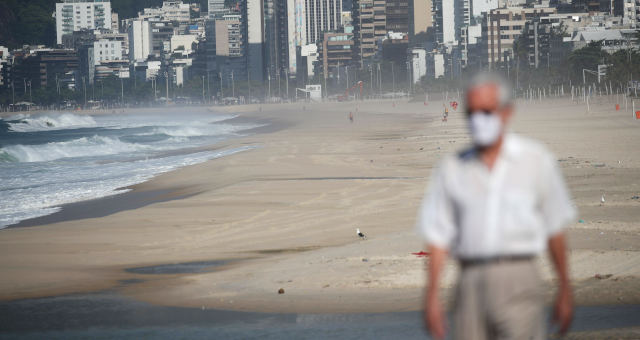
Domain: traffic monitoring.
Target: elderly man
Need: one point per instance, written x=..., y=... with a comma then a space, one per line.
x=495, y=207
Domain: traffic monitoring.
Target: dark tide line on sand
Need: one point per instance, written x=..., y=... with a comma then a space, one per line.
x=104, y=206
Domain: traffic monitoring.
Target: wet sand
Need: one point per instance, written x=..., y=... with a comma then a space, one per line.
x=287, y=211
x=107, y=315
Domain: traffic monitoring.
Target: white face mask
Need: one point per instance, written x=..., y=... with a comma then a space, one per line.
x=485, y=128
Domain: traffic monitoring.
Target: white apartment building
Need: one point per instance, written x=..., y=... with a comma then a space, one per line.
x=123, y=38
x=310, y=52
x=140, y=40
x=170, y=11
x=320, y=16
x=183, y=43
x=449, y=17
x=255, y=39
x=630, y=14
x=107, y=50
x=482, y=6
x=215, y=6
x=76, y=15
x=418, y=64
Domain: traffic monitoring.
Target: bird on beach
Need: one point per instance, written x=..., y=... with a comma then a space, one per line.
x=361, y=235
x=602, y=199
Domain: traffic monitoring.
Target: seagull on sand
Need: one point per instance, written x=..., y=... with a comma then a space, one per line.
x=361, y=235
x=602, y=199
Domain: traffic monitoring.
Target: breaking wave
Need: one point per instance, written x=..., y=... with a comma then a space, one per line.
x=81, y=147
x=49, y=122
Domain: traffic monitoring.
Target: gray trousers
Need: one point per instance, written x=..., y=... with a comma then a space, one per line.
x=501, y=300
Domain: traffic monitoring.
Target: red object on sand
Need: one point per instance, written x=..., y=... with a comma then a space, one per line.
x=421, y=254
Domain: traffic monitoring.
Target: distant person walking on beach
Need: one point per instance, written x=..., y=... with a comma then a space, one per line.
x=445, y=115
x=351, y=116
x=495, y=207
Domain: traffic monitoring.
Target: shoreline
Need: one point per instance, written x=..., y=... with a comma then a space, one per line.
x=104, y=206
x=369, y=174
x=132, y=197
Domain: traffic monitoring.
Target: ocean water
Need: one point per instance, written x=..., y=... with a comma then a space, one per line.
x=51, y=159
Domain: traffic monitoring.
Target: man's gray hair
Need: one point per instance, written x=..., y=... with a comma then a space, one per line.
x=505, y=95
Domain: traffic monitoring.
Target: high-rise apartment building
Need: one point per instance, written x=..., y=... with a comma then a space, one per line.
x=449, y=17
x=369, y=26
x=140, y=44
x=254, y=23
x=420, y=17
x=335, y=51
x=161, y=33
x=276, y=36
x=215, y=7
x=209, y=49
x=76, y=15
x=484, y=6
x=290, y=24
x=397, y=15
x=631, y=13
x=503, y=26
x=229, y=36
x=229, y=48
x=107, y=50
x=42, y=68
x=170, y=11
x=322, y=16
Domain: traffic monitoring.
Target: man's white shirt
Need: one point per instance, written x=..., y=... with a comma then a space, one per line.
x=512, y=209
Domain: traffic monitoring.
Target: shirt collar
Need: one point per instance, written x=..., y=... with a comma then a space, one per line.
x=511, y=149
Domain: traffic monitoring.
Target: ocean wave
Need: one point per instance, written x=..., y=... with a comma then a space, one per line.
x=49, y=122
x=6, y=157
x=184, y=131
x=77, y=183
x=81, y=147
x=199, y=130
x=140, y=120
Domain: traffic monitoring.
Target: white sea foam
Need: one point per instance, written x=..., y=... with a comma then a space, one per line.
x=201, y=130
x=34, y=196
x=40, y=171
x=55, y=121
x=81, y=147
x=162, y=120
x=104, y=145
x=49, y=122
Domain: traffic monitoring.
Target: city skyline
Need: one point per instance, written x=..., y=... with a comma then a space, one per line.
x=296, y=43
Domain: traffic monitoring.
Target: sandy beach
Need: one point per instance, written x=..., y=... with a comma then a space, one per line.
x=283, y=215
